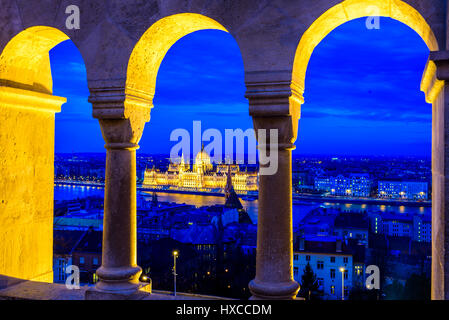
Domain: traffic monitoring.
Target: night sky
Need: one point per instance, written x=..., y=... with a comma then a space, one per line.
x=362, y=93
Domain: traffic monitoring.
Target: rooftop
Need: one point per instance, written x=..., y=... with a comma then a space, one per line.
x=351, y=221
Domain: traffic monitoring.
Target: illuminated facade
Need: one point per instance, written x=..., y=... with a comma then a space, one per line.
x=357, y=185
x=326, y=255
x=202, y=177
x=403, y=190
x=417, y=227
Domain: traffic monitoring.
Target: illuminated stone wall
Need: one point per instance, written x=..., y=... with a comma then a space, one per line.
x=27, y=129
x=26, y=188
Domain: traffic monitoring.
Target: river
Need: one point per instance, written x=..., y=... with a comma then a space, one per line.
x=300, y=208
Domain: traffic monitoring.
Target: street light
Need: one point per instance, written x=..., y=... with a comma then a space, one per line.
x=342, y=270
x=175, y=256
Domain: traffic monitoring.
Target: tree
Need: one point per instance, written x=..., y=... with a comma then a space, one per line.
x=394, y=291
x=417, y=287
x=360, y=293
x=309, y=284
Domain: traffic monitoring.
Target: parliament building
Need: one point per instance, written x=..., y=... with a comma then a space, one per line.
x=203, y=177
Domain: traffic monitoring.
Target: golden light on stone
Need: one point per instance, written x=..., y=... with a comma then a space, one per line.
x=430, y=85
x=350, y=10
x=27, y=117
x=25, y=61
x=152, y=47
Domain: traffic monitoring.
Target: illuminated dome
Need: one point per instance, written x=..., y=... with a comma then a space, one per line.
x=202, y=157
x=202, y=162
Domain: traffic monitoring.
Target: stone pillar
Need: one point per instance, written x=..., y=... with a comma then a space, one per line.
x=27, y=130
x=436, y=88
x=122, y=122
x=274, y=104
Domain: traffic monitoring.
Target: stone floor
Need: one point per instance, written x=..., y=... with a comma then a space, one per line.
x=31, y=290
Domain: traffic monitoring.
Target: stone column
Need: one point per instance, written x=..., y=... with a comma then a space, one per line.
x=436, y=88
x=275, y=105
x=122, y=122
x=27, y=131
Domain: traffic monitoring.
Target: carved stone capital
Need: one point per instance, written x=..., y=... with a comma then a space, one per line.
x=122, y=114
x=275, y=103
x=441, y=60
x=435, y=73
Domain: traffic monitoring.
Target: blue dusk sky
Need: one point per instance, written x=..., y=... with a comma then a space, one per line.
x=362, y=93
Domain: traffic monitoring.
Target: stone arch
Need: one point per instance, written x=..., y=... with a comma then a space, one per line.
x=152, y=47
x=432, y=84
x=27, y=117
x=25, y=61
x=122, y=117
x=349, y=10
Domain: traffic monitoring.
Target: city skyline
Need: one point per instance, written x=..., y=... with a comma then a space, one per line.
x=365, y=111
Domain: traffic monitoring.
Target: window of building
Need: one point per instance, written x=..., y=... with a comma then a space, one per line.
x=61, y=269
x=320, y=265
x=320, y=281
x=332, y=259
x=95, y=261
x=332, y=274
x=307, y=258
x=345, y=260
x=295, y=257
x=295, y=271
x=332, y=289
x=81, y=260
x=358, y=270
x=346, y=274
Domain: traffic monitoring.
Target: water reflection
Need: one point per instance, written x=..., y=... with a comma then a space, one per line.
x=300, y=208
